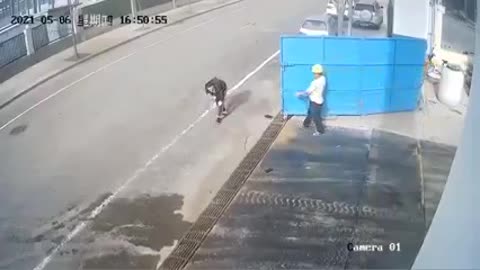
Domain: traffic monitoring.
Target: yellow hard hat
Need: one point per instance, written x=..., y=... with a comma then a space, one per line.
x=317, y=69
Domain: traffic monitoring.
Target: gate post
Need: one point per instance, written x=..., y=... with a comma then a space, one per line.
x=29, y=39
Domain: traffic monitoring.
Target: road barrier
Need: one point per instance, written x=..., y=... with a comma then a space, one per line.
x=364, y=75
x=12, y=49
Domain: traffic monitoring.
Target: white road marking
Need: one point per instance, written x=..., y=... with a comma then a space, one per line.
x=108, y=65
x=81, y=226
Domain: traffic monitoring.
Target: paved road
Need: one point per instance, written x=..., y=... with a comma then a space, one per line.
x=129, y=129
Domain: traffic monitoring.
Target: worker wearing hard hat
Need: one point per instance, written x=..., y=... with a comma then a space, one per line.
x=315, y=94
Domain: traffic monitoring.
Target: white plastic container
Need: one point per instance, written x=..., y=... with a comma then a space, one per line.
x=451, y=85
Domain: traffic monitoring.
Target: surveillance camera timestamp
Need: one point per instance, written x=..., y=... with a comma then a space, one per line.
x=141, y=19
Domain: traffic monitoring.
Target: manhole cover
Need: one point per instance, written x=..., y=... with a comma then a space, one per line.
x=18, y=129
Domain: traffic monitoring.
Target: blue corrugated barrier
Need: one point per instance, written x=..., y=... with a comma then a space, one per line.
x=364, y=75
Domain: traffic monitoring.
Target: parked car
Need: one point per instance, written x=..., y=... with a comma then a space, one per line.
x=368, y=13
x=316, y=26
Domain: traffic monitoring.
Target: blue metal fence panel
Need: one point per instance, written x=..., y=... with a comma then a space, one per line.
x=364, y=75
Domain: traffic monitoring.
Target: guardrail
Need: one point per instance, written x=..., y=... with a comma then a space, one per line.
x=12, y=49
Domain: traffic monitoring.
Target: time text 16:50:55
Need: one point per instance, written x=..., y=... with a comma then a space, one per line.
x=140, y=19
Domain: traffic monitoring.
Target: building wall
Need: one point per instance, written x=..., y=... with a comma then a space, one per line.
x=412, y=18
x=452, y=240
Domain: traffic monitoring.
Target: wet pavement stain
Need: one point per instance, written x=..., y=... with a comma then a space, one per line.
x=18, y=130
x=95, y=204
x=268, y=170
x=144, y=221
x=122, y=260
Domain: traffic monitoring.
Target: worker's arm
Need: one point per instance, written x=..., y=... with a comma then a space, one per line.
x=310, y=89
x=313, y=87
x=208, y=86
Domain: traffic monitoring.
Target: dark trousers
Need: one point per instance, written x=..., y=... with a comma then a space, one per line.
x=315, y=113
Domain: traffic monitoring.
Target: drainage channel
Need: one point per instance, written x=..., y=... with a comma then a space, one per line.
x=191, y=241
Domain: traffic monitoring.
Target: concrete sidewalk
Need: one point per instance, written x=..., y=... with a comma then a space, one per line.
x=311, y=196
x=38, y=74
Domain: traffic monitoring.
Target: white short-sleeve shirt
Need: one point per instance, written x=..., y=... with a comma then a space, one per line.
x=315, y=91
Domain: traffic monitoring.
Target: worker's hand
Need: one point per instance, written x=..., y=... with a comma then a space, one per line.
x=300, y=94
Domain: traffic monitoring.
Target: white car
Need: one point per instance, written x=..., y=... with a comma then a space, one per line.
x=315, y=26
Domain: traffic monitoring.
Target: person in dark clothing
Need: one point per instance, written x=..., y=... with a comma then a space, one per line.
x=217, y=89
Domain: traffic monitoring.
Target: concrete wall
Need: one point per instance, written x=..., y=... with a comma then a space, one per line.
x=452, y=241
x=412, y=18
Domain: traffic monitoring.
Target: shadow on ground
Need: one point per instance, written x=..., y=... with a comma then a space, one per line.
x=237, y=100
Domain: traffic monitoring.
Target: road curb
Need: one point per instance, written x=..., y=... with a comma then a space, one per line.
x=81, y=61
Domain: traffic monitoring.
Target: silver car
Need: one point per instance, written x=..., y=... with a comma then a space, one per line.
x=368, y=13
x=316, y=26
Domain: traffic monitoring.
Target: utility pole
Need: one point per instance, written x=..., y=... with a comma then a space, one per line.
x=134, y=8
x=74, y=35
x=340, y=15
x=390, y=15
x=350, y=17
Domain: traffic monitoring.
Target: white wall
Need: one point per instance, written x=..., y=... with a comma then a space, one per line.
x=452, y=241
x=412, y=18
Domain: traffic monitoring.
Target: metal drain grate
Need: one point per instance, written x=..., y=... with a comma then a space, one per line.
x=223, y=197
x=192, y=240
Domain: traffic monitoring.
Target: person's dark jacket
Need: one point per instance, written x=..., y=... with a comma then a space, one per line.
x=219, y=89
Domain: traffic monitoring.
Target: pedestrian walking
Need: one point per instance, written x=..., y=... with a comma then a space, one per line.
x=316, y=100
x=217, y=89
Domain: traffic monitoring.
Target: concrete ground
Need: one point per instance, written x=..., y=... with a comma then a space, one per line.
x=312, y=196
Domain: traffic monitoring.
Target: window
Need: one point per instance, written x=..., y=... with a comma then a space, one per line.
x=361, y=7
x=315, y=25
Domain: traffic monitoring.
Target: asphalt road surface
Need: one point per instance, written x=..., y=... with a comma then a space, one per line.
x=110, y=172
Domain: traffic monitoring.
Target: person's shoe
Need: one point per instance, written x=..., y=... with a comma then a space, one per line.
x=317, y=133
x=225, y=112
x=219, y=120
